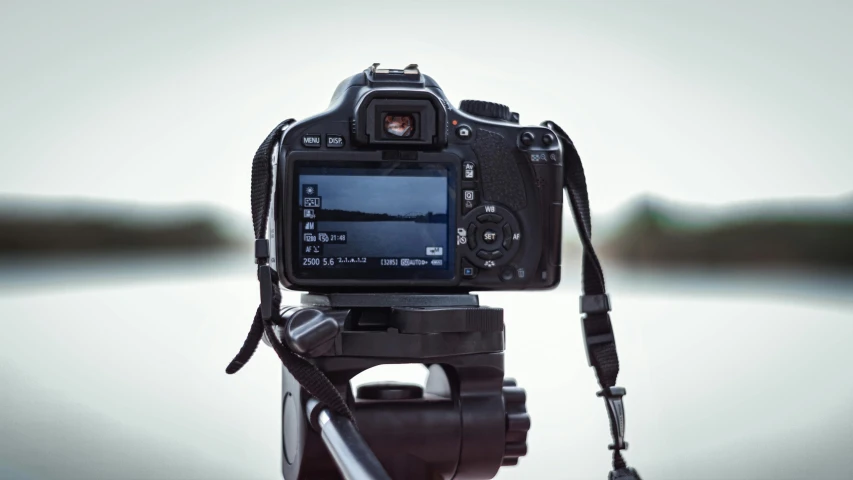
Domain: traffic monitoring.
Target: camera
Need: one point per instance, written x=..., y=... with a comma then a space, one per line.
x=388, y=209
x=392, y=188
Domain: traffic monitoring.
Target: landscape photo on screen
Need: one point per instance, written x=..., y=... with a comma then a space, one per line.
x=374, y=218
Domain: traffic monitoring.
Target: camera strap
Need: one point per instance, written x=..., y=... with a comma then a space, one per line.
x=598, y=334
x=268, y=313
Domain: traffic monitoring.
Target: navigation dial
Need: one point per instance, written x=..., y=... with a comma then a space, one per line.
x=493, y=236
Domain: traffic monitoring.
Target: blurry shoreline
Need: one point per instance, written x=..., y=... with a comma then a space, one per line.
x=790, y=234
x=35, y=227
x=648, y=234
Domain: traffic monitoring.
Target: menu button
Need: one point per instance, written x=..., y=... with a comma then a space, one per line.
x=313, y=141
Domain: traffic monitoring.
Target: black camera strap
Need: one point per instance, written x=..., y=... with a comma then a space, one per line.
x=595, y=307
x=268, y=313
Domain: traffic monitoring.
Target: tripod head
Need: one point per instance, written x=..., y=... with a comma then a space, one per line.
x=466, y=423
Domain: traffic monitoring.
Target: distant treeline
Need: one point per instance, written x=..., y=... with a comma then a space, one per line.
x=653, y=234
x=333, y=215
x=651, y=237
x=22, y=236
x=75, y=228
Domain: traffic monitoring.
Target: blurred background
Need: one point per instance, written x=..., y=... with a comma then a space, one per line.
x=715, y=139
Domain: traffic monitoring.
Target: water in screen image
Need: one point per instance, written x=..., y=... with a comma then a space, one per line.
x=381, y=216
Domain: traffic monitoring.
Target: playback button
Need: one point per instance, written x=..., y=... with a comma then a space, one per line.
x=468, y=271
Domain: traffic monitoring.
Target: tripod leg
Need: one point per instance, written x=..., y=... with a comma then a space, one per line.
x=354, y=459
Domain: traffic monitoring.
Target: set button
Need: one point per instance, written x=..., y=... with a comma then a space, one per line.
x=489, y=236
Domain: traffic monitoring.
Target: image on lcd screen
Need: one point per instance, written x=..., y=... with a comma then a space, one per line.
x=371, y=218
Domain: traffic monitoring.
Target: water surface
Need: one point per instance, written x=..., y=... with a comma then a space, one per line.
x=117, y=372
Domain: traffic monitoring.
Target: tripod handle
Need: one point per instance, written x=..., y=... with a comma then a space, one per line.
x=354, y=459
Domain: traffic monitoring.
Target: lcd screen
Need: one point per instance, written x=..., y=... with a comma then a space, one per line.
x=379, y=220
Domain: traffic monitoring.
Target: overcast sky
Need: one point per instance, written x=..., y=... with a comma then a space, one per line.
x=166, y=101
x=394, y=195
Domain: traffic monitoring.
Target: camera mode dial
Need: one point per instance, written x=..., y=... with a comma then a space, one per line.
x=483, y=109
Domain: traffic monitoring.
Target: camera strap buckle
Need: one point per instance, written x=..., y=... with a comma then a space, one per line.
x=595, y=322
x=262, y=251
x=616, y=412
x=262, y=255
x=265, y=279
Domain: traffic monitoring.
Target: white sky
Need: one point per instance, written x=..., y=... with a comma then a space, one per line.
x=705, y=102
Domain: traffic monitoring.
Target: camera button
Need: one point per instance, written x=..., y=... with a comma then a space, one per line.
x=469, y=272
x=472, y=236
x=538, y=157
x=507, y=243
x=508, y=274
x=490, y=254
x=464, y=132
x=334, y=141
x=469, y=171
x=490, y=218
x=470, y=199
x=312, y=141
x=489, y=236
x=527, y=139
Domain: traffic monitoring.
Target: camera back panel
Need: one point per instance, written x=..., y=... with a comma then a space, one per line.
x=394, y=189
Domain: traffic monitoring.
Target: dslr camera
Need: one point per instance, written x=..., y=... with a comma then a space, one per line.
x=395, y=189
x=388, y=209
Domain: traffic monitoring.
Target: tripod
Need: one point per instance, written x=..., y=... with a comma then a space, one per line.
x=467, y=423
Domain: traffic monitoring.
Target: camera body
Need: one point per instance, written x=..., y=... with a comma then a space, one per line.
x=392, y=188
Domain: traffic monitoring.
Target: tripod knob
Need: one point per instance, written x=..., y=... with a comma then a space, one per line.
x=517, y=422
x=389, y=391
